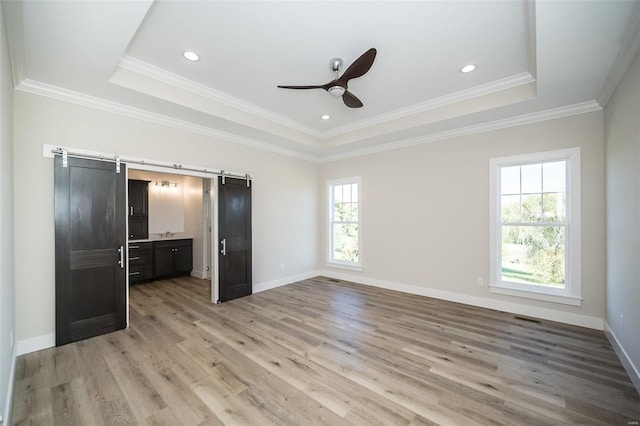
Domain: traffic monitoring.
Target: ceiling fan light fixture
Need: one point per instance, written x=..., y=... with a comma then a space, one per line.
x=468, y=68
x=336, y=90
x=325, y=117
x=191, y=56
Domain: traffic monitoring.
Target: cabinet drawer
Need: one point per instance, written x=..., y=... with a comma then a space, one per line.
x=140, y=273
x=141, y=257
x=135, y=249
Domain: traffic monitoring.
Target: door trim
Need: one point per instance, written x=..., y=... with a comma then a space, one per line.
x=215, y=275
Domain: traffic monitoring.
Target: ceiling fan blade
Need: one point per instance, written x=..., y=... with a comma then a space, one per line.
x=351, y=100
x=360, y=66
x=301, y=87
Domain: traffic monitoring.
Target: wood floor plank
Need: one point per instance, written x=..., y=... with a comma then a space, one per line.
x=326, y=352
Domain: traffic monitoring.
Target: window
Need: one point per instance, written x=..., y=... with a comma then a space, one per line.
x=344, y=223
x=535, y=226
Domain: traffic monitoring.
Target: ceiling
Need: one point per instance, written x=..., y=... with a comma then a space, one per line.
x=535, y=61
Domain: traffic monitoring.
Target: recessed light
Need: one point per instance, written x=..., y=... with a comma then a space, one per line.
x=468, y=68
x=192, y=56
x=325, y=117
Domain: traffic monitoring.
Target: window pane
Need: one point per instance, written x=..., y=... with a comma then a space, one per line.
x=555, y=207
x=337, y=194
x=510, y=180
x=534, y=255
x=554, y=176
x=354, y=192
x=340, y=212
x=353, y=212
x=346, y=193
x=531, y=208
x=532, y=178
x=345, y=242
x=510, y=208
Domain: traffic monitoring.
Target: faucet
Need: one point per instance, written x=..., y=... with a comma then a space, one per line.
x=167, y=234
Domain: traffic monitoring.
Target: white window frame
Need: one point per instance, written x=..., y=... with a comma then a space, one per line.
x=571, y=293
x=335, y=263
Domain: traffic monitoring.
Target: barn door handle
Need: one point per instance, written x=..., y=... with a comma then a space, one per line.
x=121, y=261
x=131, y=210
x=224, y=246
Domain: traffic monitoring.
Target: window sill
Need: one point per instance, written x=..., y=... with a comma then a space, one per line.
x=564, y=299
x=350, y=267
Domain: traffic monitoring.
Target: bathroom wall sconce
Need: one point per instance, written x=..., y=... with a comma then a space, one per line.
x=165, y=185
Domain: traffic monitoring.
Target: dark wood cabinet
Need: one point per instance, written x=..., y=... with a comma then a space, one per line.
x=138, y=209
x=140, y=262
x=172, y=258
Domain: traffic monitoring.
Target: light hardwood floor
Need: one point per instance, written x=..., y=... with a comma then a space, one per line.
x=324, y=352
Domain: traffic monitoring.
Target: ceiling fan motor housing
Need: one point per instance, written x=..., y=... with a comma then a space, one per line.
x=336, y=90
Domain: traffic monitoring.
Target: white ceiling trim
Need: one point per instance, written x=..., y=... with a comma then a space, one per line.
x=443, y=101
x=629, y=48
x=47, y=90
x=552, y=114
x=150, y=71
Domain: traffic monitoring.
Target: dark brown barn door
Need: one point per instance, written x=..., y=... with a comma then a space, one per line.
x=234, y=231
x=90, y=216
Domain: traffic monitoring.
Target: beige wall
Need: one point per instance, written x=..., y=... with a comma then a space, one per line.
x=193, y=220
x=425, y=209
x=622, y=140
x=7, y=277
x=284, y=197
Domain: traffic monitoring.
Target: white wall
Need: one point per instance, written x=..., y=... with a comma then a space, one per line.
x=284, y=195
x=193, y=221
x=7, y=276
x=425, y=213
x=622, y=141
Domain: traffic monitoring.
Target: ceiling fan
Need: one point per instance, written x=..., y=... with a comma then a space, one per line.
x=339, y=86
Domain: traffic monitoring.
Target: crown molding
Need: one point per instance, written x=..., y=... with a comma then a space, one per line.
x=452, y=98
x=13, y=22
x=65, y=95
x=150, y=71
x=536, y=117
x=629, y=48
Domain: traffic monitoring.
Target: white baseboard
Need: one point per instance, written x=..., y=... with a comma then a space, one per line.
x=199, y=274
x=628, y=365
x=257, y=288
x=36, y=343
x=6, y=416
x=482, y=302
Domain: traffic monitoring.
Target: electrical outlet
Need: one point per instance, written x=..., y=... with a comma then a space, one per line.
x=479, y=282
x=282, y=266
